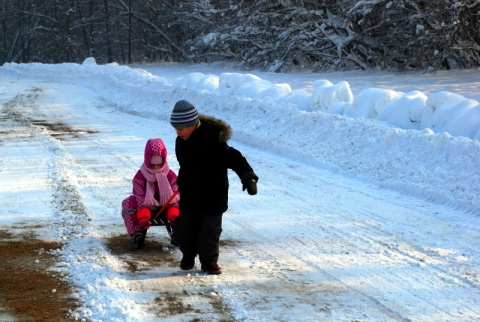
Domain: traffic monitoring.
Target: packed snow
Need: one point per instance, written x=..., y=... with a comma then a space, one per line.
x=368, y=203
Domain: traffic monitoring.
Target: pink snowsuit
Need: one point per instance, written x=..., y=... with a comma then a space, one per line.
x=136, y=211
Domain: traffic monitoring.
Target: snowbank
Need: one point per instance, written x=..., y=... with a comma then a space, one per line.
x=401, y=135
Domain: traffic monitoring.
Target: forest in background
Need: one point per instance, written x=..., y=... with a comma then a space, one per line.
x=273, y=35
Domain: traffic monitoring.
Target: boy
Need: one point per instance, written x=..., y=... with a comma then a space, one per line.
x=204, y=158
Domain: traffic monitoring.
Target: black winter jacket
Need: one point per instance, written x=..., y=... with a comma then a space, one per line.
x=204, y=160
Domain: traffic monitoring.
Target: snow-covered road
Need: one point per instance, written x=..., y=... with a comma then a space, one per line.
x=313, y=245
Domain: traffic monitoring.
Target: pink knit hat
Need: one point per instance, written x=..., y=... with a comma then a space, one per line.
x=155, y=149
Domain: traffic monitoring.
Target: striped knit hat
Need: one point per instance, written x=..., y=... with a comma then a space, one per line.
x=184, y=114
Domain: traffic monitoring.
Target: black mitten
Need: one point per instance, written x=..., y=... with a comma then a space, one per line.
x=251, y=186
x=249, y=181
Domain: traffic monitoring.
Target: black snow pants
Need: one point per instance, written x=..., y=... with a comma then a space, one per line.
x=199, y=234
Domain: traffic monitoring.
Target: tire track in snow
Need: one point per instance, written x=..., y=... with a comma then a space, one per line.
x=83, y=251
x=314, y=289
x=288, y=251
x=66, y=199
x=348, y=232
x=422, y=272
x=401, y=248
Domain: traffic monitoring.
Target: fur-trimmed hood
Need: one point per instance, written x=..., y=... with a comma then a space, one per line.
x=224, y=130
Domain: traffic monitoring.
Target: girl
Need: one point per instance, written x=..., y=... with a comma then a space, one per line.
x=154, y=185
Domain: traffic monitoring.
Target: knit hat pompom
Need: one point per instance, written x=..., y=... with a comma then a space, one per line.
x=184, y=114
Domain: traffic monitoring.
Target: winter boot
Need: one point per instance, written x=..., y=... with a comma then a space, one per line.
x=187, y=263
x=138, y=240
x=212, y=269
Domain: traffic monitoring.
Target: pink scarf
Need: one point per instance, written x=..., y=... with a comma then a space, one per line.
x=160, y=177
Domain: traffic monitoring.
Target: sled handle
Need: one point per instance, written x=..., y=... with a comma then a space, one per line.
x=164, y=206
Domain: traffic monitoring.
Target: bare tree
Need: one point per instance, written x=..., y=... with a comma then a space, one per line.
x=278, y=35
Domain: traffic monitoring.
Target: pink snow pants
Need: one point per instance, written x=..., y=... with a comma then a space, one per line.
x=129, y=214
